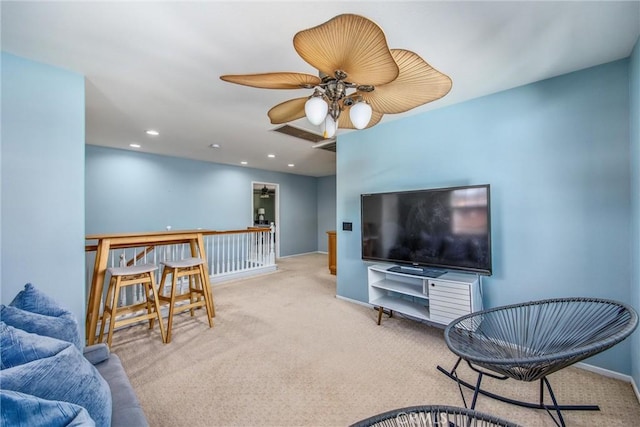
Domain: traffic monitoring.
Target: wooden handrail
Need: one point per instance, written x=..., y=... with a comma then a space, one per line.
x=141, y=234
x=93, y=247
x=247, y=230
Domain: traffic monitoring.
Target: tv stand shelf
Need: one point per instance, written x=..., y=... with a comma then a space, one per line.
x=438, y=300
x=409, y=308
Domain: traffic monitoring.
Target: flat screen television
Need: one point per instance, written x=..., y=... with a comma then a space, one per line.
x=445, y=228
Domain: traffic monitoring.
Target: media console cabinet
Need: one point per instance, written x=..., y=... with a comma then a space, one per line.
x=434, y=299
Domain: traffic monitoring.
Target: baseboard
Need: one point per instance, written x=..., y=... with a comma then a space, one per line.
x=604, y=372
x=610, y=374
x=226, y=277
x=302, y=254
x=355, y=301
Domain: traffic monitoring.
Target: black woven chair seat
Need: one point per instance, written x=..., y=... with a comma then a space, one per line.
x=432, y=416
x=532, y=340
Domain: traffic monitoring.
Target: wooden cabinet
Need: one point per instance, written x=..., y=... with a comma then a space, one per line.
x=333, y=264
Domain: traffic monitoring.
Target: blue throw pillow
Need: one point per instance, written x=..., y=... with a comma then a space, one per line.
x=63, y=327
x=24, y=410
x=13, y=352
x=61, y=373
x=35, y=301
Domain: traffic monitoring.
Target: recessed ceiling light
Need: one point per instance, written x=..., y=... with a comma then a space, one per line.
x=153, y=132
x=243, y=163
x=291, y=165
x=134, y=145
x=271, y=156
x=214, y=146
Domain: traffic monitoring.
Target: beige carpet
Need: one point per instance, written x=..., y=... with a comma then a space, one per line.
x=285, y=351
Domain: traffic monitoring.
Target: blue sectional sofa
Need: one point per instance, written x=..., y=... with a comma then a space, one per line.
x=49, y=378
x=125, y=407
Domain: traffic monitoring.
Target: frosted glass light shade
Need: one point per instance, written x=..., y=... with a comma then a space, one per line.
x=316, y=110
x=329, y=127
x=360, y=114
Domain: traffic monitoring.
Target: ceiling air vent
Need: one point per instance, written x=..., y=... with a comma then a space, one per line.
x=329, y=145
x=299, y=133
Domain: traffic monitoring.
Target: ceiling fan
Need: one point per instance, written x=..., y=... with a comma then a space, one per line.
x=350, y=53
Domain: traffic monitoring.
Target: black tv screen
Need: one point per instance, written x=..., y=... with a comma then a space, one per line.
x=447, y=228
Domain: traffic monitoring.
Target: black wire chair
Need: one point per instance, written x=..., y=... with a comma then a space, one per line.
x=529, y=341
x=433, y=416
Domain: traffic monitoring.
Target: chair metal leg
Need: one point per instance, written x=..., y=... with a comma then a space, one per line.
x=452, y=374
x=545, y=381
x=475, y=391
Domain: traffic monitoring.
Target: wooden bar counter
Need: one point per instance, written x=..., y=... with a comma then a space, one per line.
x=103, y=243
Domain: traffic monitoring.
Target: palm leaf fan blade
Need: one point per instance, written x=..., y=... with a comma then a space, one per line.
x=274, y=80
x=418, y=83
x=350, y=43
x=287, y=111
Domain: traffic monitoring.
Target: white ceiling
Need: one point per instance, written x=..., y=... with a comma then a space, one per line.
x=156, y=65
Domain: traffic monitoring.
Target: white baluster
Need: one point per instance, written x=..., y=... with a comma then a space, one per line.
x=272, y=244
x=218, y=254
x=235, y=251
x=209, y=246
x=244, y=251
x=122, y=263
x=225, y=256
x=233, y=246
x=261, y=240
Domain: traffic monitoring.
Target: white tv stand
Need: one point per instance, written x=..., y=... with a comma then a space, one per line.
x=439, y=300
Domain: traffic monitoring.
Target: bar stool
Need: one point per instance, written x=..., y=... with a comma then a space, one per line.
x=198, y=296
x=128, y=276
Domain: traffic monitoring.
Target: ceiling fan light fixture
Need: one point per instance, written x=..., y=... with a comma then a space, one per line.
x=329, y=127
x=360, y=115
x=316, y=109
x=350, y=52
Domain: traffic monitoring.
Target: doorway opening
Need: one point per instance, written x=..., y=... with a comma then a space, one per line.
x=265, y=208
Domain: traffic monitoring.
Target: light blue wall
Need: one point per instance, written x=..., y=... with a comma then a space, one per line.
x=42, y=182
x=326, y=209
x=634, y=72
x=131, y=191
x=556, y=154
